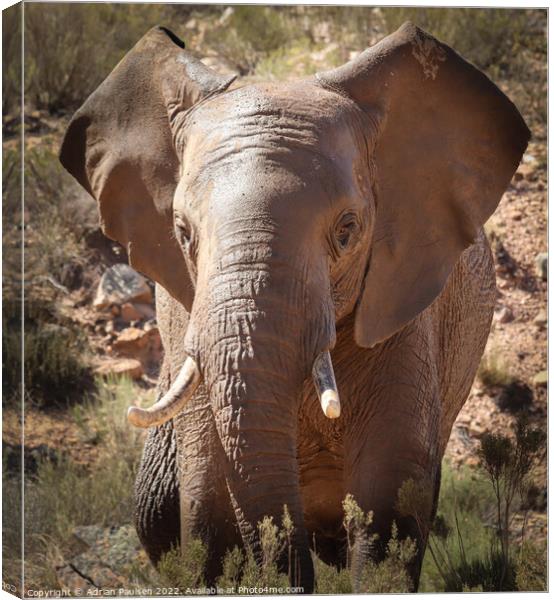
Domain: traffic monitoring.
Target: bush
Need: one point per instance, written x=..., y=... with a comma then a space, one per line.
x=65, y=494
x=11, y=50
x=480, y=507
x=56, y=363
x=71, y=48
x=184, y=568
x=487, y=37
x=531, y=569
x=247, y=34
x=493, y=370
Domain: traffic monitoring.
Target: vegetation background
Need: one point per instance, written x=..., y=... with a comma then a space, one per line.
x=79, y=455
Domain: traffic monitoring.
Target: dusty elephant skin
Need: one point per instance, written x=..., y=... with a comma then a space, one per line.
x=338, y=213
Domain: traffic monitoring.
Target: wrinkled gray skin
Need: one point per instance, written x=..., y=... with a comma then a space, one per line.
x=341, y=213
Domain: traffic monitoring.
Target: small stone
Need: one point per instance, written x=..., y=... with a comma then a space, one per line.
x=541, y=319
x=145, y=310
x=130, y=313
x=525, y=171
x=504, y=315
x=120, y=284
x=130, y=341
x=129, y=367
x=476, y=429
x=142, y=345
x=541, y=264
x=109, y=327
x=541, y=379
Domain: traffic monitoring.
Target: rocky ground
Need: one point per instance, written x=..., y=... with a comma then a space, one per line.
x=517, y=346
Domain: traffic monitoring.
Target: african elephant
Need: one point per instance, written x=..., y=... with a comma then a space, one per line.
x=327, y=231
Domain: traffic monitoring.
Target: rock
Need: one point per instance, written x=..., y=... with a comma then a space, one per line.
x=144, y=345
x=514, y=397
x=541, y=319
x=504, y=315
x=120, y=367
x=476, y=429
x=130, y=313
x=103, y=561
x=541, y=379
x=525, y=171
x=541, y=264
x=131, y=341
x=146, y=311
x=120, y=284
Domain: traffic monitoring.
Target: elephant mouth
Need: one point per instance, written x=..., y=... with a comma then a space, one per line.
x=188, y=379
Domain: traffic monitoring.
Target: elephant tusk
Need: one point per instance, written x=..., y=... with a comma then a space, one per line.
x=326, y=386
x=172, y=402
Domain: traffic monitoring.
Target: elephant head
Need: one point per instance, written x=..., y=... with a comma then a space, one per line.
x=272, y=212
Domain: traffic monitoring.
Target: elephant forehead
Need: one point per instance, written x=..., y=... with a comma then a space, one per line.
x=278, y=121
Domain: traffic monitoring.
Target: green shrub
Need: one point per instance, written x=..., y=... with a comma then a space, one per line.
x=251, y=33
x=480, y=507
x=58, y=215
x=71, y=48
x=487, y=37
x=11, y=530
x=184, y=568
x=56, y=363
x=331, y=580
x=493, y=370
x=11, y=49
x=65, y=494
x=531, y=568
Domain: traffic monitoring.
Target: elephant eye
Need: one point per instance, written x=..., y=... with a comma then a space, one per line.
x=183, y=231
x=346, y=231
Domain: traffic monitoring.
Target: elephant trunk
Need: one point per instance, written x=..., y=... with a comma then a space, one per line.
x=256, y=345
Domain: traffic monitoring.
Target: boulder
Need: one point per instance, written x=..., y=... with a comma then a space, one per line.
x=103, y=562
x=120, y=284
x=120, y=367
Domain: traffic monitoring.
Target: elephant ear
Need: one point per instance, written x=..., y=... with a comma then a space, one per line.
x=446, y=142
x=120, y=148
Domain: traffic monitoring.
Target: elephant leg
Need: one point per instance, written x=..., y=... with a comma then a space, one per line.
x=383, y=454
x=205, y=505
